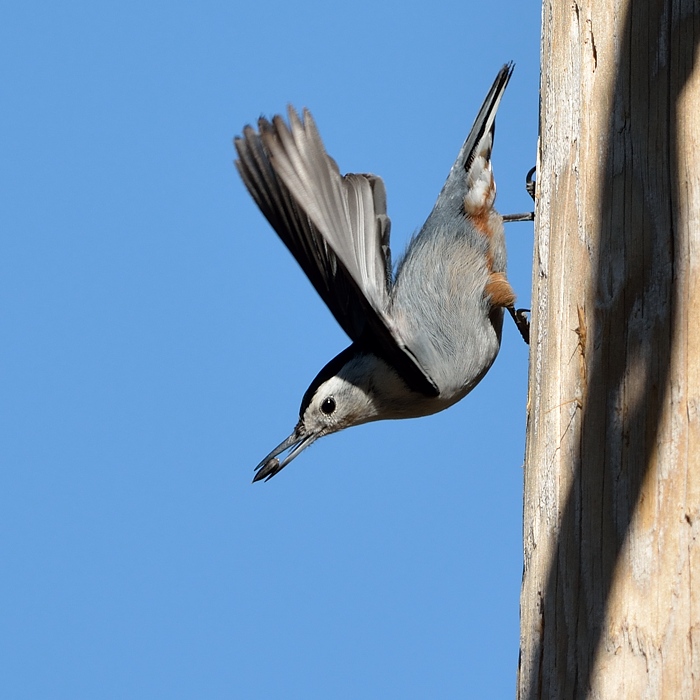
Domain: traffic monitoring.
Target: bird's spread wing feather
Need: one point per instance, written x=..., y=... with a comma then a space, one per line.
x=335, y=226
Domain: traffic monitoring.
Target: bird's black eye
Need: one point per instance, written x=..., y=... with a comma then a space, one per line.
x=328, y=405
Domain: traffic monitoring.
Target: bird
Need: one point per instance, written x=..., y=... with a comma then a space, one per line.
x=423, y=335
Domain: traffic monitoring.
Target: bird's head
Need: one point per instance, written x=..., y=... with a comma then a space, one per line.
x=353, y=388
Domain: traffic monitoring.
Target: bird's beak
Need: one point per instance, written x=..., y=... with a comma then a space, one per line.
x=299, y=440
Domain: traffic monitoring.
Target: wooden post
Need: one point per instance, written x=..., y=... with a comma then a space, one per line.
x=610, y=604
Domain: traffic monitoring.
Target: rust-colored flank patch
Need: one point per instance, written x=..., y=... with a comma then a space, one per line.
x=499, y=290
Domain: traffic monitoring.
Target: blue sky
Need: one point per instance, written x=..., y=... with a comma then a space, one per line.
x=157, y=339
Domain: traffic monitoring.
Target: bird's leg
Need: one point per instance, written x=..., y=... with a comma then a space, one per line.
x=525, y=216
x=522, y=322
x=530, y=187
x=501, y=295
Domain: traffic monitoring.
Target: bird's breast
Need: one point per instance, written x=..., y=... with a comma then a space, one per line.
x=444, y=316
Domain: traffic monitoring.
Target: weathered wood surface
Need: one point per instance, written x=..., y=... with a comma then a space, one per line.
x=611, y=586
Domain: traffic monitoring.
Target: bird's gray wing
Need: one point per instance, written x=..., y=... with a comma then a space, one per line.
x=335, y=226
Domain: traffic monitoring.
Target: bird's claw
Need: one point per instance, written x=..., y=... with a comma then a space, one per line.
x=522, y=322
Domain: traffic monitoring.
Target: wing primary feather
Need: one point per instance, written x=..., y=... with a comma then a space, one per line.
x=335, y=226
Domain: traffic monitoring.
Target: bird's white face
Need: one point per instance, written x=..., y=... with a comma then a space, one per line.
x=337, y=404
x=343, y=394
x=354, y=388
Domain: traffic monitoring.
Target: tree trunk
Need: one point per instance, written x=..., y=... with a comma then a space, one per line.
x=610, y=604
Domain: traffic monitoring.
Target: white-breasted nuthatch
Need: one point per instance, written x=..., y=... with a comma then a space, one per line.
x=422, y=339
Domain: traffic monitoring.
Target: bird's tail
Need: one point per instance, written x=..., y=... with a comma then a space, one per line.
x=470, y=186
